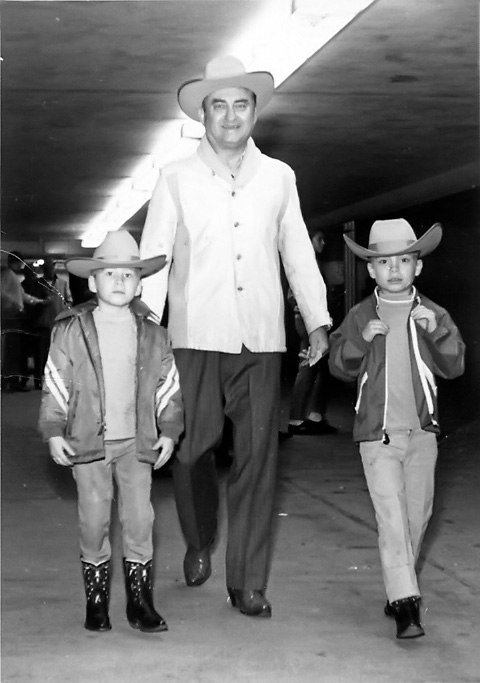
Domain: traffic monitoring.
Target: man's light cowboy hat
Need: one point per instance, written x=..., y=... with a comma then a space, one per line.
x=393, y=237
x=118, y=250
x=224, y=72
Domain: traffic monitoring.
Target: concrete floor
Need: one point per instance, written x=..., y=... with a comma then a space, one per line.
x=325, y=584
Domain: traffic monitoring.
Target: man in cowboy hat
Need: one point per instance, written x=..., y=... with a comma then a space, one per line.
x=394, y=342
x=111, y=401
x=226, y=215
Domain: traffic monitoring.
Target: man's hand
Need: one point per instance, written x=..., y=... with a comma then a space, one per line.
x=165, y=445
x=374, y=327
x=424, y=317
x=58, y=450
x=318, y=345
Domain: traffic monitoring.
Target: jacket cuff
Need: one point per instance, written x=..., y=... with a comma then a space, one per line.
x=171, y=431
x=49, y=429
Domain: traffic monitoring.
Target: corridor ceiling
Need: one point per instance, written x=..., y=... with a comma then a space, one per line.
x=383, y=117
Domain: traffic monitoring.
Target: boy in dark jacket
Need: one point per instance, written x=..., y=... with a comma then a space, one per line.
x=394, y=342
x=112, y=409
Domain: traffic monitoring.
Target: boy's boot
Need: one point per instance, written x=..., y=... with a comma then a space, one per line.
x=141, y=613
x=407, y=617
x=96, y=579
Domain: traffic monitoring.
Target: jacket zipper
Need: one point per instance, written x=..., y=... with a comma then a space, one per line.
x=101, y=429
x=385, y=438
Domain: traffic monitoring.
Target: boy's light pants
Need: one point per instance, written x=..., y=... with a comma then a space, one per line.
x=95, y=495
x=400, y=479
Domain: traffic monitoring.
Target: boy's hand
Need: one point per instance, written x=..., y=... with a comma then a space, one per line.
x=374, y=327
x=59, y=448
x=165, y=445
x=424, y=317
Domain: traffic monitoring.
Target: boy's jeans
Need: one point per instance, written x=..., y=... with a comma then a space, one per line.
x=95, y=495
x=400, y=479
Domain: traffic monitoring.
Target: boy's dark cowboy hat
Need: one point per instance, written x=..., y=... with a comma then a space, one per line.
x=393, y=237
x=118, y=250
x=224, y=72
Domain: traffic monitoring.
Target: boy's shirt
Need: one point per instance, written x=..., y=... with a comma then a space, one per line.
x=401, y=409
x=117, y=339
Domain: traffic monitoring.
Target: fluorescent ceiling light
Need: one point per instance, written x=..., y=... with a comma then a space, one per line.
x=133, y=192
x=288, y=32
x=281, y=38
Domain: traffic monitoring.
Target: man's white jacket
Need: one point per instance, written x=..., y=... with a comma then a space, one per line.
x=224, y=237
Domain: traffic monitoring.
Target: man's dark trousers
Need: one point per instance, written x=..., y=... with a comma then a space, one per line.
x=246, y=388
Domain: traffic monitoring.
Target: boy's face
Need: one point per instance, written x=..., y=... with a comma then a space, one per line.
x=115, y=286
x=394, y=275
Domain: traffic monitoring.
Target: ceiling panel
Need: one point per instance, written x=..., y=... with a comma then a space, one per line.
x=388, y=110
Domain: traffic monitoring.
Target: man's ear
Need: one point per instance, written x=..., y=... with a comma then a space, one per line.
x=92, y=285
x=138, y=291
x=371, y=271
x=201, y=115
x=418, y=268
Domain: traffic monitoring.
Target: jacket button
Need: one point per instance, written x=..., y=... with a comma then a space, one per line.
x=233, y=193
x=240, y=289
x=236, y=224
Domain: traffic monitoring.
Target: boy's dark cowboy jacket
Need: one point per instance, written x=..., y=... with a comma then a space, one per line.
x=74, y=394
x=438, y=353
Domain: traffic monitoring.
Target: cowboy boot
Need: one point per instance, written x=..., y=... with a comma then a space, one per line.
x=407, y=617
x=141, y=613
x=96, y=579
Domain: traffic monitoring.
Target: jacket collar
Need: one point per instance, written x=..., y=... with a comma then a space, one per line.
x=137, y=306
x=248, y=167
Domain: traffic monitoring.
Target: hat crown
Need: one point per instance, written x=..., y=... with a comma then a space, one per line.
x=383, y=233
x=224, y=67
x=117, y=247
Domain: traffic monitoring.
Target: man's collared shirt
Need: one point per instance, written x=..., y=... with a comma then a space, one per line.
x=223, y=238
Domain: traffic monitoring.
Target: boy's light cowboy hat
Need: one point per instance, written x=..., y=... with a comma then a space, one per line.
x=118, y=250
x=224, y=72
x=393, y=237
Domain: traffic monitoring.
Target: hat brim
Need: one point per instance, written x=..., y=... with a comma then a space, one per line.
x=423, y=246
x=84, y=266
x=192, y=93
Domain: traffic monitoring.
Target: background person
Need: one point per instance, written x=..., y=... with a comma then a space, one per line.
x=309, y=399
x=55, y=293
x=14, y=300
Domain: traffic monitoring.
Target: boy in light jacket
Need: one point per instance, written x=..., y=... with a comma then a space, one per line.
x=112, y=409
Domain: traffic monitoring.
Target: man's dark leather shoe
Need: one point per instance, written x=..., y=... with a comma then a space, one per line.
x=407, y=617
x=252, y=603
x=197, y=565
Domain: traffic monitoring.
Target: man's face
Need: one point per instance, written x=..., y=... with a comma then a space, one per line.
x=229, y=116
x=394, y=275
x=115, y=286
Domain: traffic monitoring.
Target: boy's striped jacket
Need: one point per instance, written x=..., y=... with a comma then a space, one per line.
x=437, y=354
x=73, y=398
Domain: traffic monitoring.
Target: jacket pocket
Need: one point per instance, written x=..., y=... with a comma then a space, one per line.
x=360, y=391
